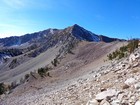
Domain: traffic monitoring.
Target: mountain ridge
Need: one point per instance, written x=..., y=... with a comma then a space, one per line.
x=76, y=30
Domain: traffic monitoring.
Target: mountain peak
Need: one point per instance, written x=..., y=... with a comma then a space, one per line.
x=75, y=30
x=83, y=34
x=76, y=25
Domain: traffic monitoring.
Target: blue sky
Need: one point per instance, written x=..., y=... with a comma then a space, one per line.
x=113, y=18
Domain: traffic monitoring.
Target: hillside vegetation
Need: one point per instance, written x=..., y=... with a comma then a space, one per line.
x=124, y=50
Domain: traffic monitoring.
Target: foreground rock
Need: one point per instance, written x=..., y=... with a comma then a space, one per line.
x=105, y=94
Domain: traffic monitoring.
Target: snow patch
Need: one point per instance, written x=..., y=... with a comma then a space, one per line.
x=21, y=45
x=51, y=31
x=3, y=57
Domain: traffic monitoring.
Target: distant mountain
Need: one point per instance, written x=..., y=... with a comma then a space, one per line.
x=75, y=30
x=18, y=40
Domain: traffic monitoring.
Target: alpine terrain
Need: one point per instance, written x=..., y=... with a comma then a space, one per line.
x=70, y=66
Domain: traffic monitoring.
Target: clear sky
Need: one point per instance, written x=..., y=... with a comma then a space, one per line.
x=113, y=18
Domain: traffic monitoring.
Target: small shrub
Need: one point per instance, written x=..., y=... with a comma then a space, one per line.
x=43, y=71
x=132, y=45
x=2, y=88
x=110, y=56
x=15, y=60
x=121, y=55
x=22, y=80
x=123, y=49
x=27, y=76
x=55, y=62
x=48, y=74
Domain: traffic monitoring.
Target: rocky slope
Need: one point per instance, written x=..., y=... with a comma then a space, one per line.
x=115, y=83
